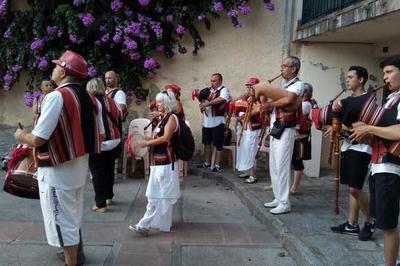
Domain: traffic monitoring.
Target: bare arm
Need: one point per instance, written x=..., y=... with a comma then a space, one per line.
x=361, y=130
x=169, y=130
x=286, y=101
x=28, y=138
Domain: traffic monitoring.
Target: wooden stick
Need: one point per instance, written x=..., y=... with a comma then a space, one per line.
x=336, y=126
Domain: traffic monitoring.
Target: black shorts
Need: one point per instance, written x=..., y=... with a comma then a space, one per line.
x=354, y=168
x=384, y=199
x=214, y=136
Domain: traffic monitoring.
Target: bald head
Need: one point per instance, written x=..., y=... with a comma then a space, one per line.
x=111, y=79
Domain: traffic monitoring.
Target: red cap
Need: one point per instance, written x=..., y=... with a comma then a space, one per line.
x=175, y=88
x=152, y=104
x=252, y=81
x=73, y=63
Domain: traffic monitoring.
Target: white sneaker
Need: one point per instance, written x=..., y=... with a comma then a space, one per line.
x=280, y=209
x=108, y=202
x=139, y=230
x=271, y=204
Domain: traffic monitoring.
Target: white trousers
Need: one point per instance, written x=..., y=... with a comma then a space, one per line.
x=158, y=215
x=246, y=152
x=280, y=157
x=62, y=214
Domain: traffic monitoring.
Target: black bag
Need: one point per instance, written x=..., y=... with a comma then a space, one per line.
x=277, y=129
x=183, y=141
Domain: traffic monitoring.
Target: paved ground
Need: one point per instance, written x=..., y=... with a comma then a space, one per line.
x=305, y=232
x=211, y=227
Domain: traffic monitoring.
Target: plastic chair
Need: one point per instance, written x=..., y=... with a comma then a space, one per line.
x=137, y=126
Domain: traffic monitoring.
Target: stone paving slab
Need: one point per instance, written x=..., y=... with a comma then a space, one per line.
x=208, y=214
x=305, y=231
x=194, y=255
x=41, y=254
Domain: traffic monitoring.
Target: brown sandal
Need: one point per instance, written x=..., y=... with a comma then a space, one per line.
x=94, y=208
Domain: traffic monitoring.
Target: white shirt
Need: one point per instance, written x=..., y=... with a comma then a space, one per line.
x=70, y=174
x=296, y=87
x=119, y=97
x=347, y=145
x=388, y=167
x=306, y=107
x=210, y=121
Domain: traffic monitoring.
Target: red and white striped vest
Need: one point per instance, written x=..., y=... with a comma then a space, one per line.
x=220, y=109
x=77, y=131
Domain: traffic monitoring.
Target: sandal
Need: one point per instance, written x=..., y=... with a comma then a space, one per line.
x=94, y=208
x=294, y=193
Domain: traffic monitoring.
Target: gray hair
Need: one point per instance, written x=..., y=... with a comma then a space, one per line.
x=169, y=100
x=295, y=62
x=95, y=86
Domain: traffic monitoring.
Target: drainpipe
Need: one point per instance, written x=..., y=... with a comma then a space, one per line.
x=287, y=28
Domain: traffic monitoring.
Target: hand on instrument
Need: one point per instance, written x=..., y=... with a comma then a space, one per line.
x=327, y=132
x=19, y=133
x=203, y=105
x=266, y=107
x=252, y=95
x=154, y=114
x=359, y=131
x=141, y=144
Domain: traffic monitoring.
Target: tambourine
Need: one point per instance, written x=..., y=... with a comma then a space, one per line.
x=131, y=145
x=20, y=178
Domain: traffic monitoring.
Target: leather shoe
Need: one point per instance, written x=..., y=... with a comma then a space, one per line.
x=280, y=209
x=271, y=204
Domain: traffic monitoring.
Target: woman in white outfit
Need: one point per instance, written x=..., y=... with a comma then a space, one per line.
x=163, y=186
x=246, y=151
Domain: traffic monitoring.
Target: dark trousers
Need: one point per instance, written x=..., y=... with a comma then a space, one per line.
x=102, y=168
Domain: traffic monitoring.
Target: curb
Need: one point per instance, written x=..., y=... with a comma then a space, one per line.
x=302, y=254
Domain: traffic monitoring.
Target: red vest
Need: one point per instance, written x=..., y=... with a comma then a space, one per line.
x=289, y=118
x=162, y=154
x=111, y=124
x=382, y=151
x=77, y=131
x=305, y=123
x=220, y=109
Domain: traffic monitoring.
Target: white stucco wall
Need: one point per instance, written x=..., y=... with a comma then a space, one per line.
x=253, y=50
x=322, y=66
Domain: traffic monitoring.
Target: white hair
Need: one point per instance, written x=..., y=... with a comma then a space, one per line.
x=168, y=99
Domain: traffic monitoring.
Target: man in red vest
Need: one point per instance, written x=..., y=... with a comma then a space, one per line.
x=214, y=122
x=68, y=129
x=385, y=168
x=283, y=130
